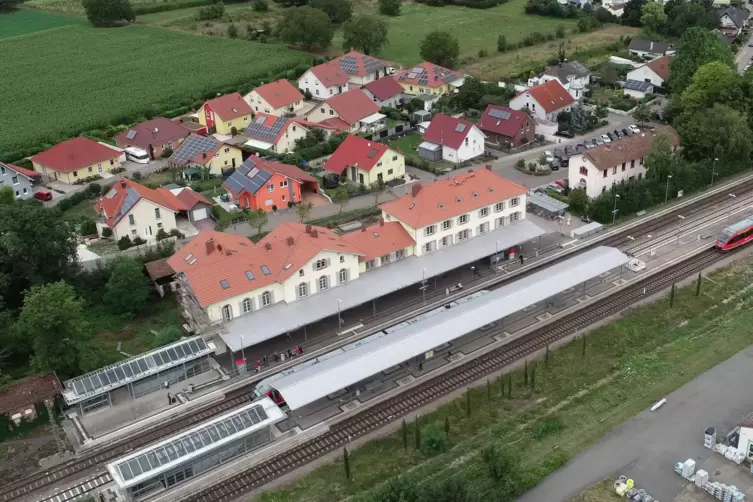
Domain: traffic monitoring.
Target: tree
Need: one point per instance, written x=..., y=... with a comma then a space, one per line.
x=340, y=197
x=389, y=7
x=291, y=3
x=338, y=11
x=6, y=195
x=52, y=319
x=501, y=43
x=718, y=132
x=35, y=248
x=433, y=440
x=653, y=16
x=682, y=16
x=212, y=11
x=365, y=33
x=107, y=13
x=609, y=75
x=232, y=32
x=377, y=189
x=697, y=47
x=257, y=219
x=441, y=48
x=128, y=289
x=631, y=15
x=10, y=5
x=578, y=200
x=260, y=6
x=306, y=27
x=346, y=463
x=642, y=113
x=714, y=82
x=661, y=162
x=303, y=210
x=124, y=243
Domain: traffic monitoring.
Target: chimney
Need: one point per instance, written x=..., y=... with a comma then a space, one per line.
x=267, y=246
x=308, y=229
x=415, y=189
x=122, y=184
x=219, y=248
x=291, y=241
x=314, y=233
x=210, y=246
x=363, y=229
x=381, y=222
x=203, y=155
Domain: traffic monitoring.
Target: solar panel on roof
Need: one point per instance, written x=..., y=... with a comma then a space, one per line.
x=372, y=153
x=371, y=65
x=131, y=134
x=460, y=128
x=499, y=114
x=637, y=85
x=193, y=146
x=266, y=131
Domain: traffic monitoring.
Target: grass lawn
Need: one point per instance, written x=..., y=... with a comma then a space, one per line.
x=111, y=70
x=30, y=21
x=85, y=208
x=75, y=6
x=407, y=145
x=508, y=64
x=578, y=398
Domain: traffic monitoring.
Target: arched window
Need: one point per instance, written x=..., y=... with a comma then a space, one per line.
x=246, y=305
x=266, y=299
x=300, y=273
x=303, y=290
x=227, y=313
x=343, y=275
x=323, y=283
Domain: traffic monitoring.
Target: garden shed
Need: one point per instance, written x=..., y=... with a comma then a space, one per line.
x=430, y=151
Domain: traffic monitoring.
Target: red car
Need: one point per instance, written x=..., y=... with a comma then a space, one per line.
x=43, y=195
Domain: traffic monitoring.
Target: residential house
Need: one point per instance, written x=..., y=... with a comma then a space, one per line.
x=648, y=49
x=458, y=140
x=324, y=81
x=274, y=133
x=188, y=203
x=574, y=76
x=361, y=69
x=616, y=9
x=268, y=185
x=366, y=162
x=385, y=92
x=153, y=136
x=655, y=72
x=386, y=242
x=20, y=180
x=637, y=89
x=206, y=152
x=352, y=110
x=504, y=126
x=428, y=79
x=544, y=101
x=76, y=159
x=732, y=21
x=19, y=398
x=225, y=114
x=223, y=276
x=277, y=98
x=598, y=169
x=450, y=211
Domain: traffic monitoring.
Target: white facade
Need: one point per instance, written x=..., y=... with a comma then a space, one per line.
x=286, y=142
x=309, y=82
x=728, y=25
x=576, y=86
x=144, y=220
x=323, y=111
x=465, y=226
x=582, y=173
x=298, y=286
x=260, y=105
x=745, y=443
x=638, y=94
x=525, y=100
x=392, y=102
x=472, y=146
x=645, y=74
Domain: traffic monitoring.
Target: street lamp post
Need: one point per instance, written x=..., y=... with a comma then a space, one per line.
x=339, y=319
x=496, y=258
x=666, y=192
x=713, y=171
x=423, y=286
x=731, y=196
x=614, y=211
x=679, y=230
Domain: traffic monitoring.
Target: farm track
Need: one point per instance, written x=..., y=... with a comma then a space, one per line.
x=381, y=414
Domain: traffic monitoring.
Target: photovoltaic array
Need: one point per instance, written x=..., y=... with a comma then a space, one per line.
x=192, y=147
x=499, y=114
x=266, y=128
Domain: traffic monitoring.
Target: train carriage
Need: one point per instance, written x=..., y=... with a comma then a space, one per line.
x=735, y=235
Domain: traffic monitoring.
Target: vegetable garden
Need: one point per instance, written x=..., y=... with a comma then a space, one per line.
x=62, y=82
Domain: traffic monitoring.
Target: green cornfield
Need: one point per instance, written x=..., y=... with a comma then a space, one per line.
x=59, y=83
x=75, y=7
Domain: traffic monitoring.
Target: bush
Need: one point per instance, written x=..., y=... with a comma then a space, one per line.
x=482, y=53
x=94, y=189
x=124, y=243
x=290, y=204
x=433, y=440
x=88, y=227
x=274, y=208
x=138, y=241
x=307, y=95
x=177, y=233
x=106, y=232
x=117, y=170
x=161, y=234
x=232, y=32
x=260, y=6
x=136, y=176
x=166, y=153
x=210, y=12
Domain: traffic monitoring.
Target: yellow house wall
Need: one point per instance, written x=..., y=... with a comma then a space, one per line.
x=287, y=141
x=226, y=126
x=73, y=176
x=223, y=159
x=415, y=89
x=397, y=166
x=144, y=217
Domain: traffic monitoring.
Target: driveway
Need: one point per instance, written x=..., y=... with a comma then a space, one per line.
x=647, y=446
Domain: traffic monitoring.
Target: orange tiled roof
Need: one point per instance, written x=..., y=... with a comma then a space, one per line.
x=125, y=194
x=660, y=66
x=379, y=240
x=444, y=199
x=212, y=257
x=551, y=95
x=229, y=106
x=70, y=155
x=279, y=93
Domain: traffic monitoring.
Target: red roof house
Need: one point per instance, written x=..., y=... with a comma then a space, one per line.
x=458, y=139
x=385, y=92
x=361, y=68
x=324, y=80
x=224, y=113
x=545, y=101
x=505, y=126
x=357, y=157
x=76, y=159
x=278, y=98
x=154, y=136
x=351, y=107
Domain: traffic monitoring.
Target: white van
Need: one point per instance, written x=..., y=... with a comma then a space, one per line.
x=137, y=155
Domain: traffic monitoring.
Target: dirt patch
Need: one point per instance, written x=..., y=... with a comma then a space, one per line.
x=513, y=63
x=21, y=457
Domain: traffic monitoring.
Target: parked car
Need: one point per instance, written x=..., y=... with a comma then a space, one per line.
x=589, y=143
x=618, y=134
x=549, y=156
x=634, y=129
x=559, y=152
x=598, y=141
x=565, y=134
x=565, y=162
x=562, y=183
x=580, y=148
x=750, y=44
x=626, y=132
x=585, y=219
x=540, y=190
x=555, y=164
x=43, y=195
x=555, y=187
x=605, y=138
x=331, y=180
x=570, y=150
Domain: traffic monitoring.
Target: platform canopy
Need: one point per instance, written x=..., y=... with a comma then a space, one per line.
x=168, y=454
x=133, y=369
x=347, y=368
x=280, y=318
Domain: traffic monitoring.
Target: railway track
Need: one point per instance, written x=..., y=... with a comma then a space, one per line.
x=92, y=462
x=392, y=409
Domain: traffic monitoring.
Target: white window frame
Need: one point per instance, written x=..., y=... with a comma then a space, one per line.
x=323, y=280
x=227, y=312
x=429, y=230
x=483, y=212
x=462, y=219
x=499, y=206
x=303, y=290
x=247, y=305
x=342, y=275
x=266, y=299
x=446, y=224
x=514, y=201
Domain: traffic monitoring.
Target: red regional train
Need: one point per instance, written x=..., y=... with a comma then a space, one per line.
x=735, y=235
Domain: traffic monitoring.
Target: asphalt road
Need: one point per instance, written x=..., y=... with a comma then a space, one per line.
x=744, y=56
x=647, y=446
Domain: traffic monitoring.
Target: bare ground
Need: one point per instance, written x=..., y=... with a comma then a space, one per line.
x=21, y=457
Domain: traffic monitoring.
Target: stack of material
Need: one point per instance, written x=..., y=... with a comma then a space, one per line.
x=709, y=438
x=688, y=468
x=701, y=478
x=725, y=493
x=729, y=453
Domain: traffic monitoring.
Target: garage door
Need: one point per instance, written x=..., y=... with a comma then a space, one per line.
x=200, y=214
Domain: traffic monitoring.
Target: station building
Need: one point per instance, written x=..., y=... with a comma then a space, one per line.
x=160, y=466
x=139, y=376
